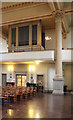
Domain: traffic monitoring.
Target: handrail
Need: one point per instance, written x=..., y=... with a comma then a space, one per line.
x=28, y=51
x=32, y=51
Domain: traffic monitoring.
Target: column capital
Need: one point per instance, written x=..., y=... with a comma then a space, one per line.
x=58, y=14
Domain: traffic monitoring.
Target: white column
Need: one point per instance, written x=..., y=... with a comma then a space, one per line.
x=58, y=47
x=58, y=81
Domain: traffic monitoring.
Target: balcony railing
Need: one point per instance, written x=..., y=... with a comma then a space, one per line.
x=67, y=55
x=27, y=56
x=25, y=48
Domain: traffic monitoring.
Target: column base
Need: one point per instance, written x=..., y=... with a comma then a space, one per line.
x=58, y=84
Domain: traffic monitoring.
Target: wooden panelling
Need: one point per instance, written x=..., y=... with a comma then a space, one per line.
x=25, y=24
x=9, y=37
x=39, y=34
x=18, y=48
x=30, y=34
x=16, y=36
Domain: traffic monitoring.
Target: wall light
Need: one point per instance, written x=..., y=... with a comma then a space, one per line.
x=48, y=38
x=1, y=43
x=10, y=68
x=31, y=68
x=37, y=62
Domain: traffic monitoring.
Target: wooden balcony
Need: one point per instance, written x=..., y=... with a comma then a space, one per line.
x=25, y=48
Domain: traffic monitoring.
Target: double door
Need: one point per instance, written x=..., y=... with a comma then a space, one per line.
x=21, y=80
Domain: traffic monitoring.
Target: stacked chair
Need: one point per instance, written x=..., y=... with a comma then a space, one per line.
x=14, y=92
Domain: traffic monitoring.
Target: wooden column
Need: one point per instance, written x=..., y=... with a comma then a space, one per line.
x=39, y=34
x=9, y=37
x=30, y=35
x=16, y=36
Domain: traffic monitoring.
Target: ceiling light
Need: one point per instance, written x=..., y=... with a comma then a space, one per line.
x=37, y=62
x=1, y=43
x=48, y=38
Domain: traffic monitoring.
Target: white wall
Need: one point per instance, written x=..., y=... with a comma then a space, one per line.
x=3, y=45
x=72, y=37
x=17, y=69
x=39, y=69
x=51, y=75
x=72, y=76
x=67, y=75
x=66, y=43
x=48, y=70
x=43, y=69
x=0, y=74
x=51, y=44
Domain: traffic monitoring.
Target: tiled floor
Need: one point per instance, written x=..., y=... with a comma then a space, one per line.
x=44, y=105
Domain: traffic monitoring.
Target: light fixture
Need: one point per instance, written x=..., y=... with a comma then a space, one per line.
x=37, y=62
x=37, y=116
x=10, y=68
x=31, y=68
x=48, y=38
x=10, y=112
x=1, y=43
x=31, y=113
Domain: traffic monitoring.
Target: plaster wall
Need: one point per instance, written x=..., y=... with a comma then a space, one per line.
x=48, y=70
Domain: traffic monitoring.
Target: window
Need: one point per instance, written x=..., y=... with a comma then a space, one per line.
x=13, y=37
x=34, y=34
x=23, y=37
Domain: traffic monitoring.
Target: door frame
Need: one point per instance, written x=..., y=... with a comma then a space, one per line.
x=6, y=78
x=40, y=75
x=22, y=74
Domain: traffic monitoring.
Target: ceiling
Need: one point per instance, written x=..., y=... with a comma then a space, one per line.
x=45, y=10
x=48, y=23
x=28, y=62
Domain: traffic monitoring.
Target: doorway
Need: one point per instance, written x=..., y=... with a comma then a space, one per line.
x=4, y=79
x=21, y=80
x=40, y=79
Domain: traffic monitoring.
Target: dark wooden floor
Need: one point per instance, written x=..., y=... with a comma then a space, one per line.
x=44, y=105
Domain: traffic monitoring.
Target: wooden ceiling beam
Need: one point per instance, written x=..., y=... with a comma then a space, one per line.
x=35, y=18
x=65, y=24
x=51, y=4
x=60, y=4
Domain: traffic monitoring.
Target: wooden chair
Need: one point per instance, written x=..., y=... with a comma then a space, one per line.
x=18, y=92
x=28, y=91
x=5, y=96
x=13, y=94
x=31, y=91
x=25, y=93
x=35, y=91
